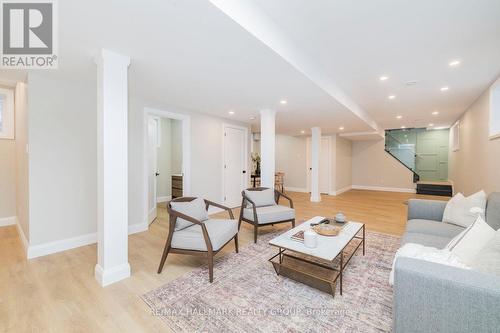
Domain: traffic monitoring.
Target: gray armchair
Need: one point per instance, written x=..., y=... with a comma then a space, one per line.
x=192, y=232
x=260, y=207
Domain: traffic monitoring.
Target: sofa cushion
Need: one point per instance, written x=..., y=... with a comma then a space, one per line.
x=270, y=214
x=261, y=198
x=488, y=258
x=435, y=228
x=458, y=209
x=219, y=232
x=438, y=242
x=195, y=209
x=493, y=210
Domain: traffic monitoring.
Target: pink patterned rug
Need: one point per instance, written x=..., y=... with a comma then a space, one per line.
x=248, y=296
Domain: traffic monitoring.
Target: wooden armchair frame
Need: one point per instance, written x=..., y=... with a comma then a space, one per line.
x=210, y=253
x=255, y=222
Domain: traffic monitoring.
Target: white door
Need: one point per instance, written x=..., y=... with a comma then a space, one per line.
x=235, y=165
x=324, y=165
x=152, y=167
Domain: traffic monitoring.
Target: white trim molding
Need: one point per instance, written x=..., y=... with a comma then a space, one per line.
x=342, y=190
x=296, y=189
x=5, y=221
x=40, y=250
x=384, y=189
x=163, y=199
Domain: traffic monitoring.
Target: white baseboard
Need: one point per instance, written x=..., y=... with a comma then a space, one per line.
x=44, y=249
x=5, y=221
x=296, y=189
x=111, y=275
x=163, y=199
x=342, y=190
x=34, y=251
x=384, y=189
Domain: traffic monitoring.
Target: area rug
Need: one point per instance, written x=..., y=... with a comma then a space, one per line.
x=248, y=296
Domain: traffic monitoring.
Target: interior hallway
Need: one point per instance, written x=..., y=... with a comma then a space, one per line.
x=58, y=292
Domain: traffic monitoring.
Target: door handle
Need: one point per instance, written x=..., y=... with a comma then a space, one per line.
x=244, y=171
x=157, y=174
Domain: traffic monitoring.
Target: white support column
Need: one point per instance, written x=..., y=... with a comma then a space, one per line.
x=112, y=168
x=315, y=151
x=267, y=147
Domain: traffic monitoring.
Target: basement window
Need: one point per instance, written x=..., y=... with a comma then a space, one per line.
x=6, y=114
x=495, y=110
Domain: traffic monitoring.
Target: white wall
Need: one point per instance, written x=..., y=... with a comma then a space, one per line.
x=476, y=165
x=7, y=178
x=63, y=158
x=22, y=162
x=372, y=166
x=341, y=164
x=291, y=159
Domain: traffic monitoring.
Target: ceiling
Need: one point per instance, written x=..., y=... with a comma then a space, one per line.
x=324, y=57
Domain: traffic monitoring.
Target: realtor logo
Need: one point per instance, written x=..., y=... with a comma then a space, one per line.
x=29, y=34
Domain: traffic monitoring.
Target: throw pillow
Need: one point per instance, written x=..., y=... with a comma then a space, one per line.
x=195, y=209
x=471, y=241
x=488, y=259
x=458, y=209
x=261, y=198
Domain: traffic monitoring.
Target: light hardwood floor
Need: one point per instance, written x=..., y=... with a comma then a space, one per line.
x=58, y=293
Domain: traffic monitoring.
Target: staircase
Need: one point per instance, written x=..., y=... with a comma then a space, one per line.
x=402, y=145
x=435, y=188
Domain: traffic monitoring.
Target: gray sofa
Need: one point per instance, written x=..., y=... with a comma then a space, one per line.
x=430, y=297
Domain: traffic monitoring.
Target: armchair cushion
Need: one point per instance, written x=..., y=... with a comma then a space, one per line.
x=270, y=214
x=195, y=209
x=191, y=238
x=261, y=198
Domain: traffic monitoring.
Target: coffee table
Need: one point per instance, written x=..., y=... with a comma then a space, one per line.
x=322, y=266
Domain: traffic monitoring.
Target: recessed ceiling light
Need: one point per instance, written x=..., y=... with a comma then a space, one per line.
x=231, y=112
x=384, y=78
x=283, y=101
x=341, y=128
x=302, y=131
x=430, y=125
x=403, y=126
x=399, y=117
x=435, y=113
x=391, y=96
x=445, y=88
x=454, y=63
x=252, y=118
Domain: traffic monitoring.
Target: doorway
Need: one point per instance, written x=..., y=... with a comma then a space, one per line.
x=167, y=159
x=235, y=164
x=324, y=165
